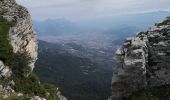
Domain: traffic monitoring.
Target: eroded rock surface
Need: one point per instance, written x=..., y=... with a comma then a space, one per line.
x=22, y=36
x=143, y=61
x=22, y=40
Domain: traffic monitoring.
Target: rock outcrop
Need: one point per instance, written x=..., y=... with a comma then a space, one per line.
x=143, y=61
x=21, y=35
x=20, y=38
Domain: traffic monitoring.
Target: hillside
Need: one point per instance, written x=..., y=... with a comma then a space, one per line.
x=79, y=77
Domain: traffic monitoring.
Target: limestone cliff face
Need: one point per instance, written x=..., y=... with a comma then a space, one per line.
x=143, y=61
x=22, y=36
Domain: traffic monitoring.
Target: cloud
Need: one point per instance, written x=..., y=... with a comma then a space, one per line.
x=83, y=9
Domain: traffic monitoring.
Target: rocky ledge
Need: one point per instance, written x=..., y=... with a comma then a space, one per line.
x=143, y=61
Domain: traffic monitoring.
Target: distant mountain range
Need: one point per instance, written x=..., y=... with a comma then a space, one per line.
x=140, y=22
x=78, y=56
x=54, y=27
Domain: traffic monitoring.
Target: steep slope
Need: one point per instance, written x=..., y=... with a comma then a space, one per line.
x=143, y=62
x=18, y=53
x=78, y=77
x=19, y=30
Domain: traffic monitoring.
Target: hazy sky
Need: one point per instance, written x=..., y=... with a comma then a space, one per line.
x=87, y=9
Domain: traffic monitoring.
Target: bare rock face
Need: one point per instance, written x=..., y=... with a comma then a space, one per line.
x=20, y=39
x=143, y=61
x=5, y=71
x=21, y=36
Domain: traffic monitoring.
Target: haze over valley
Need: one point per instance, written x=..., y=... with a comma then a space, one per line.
x=84, y=50
x=82, y=54
x=78, y=40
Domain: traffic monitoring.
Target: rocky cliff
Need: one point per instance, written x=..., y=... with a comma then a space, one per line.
x=143, y=61
x=21, y=35
x=18, y=53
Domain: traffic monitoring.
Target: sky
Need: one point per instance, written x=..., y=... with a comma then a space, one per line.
x=90, y=9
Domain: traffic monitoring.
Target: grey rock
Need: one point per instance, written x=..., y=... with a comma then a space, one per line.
x=37, y=98
x=22, y=38
x=60, y=97
x=5, y=72
x=143, y=61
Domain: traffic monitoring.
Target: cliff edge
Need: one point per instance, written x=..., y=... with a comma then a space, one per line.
x=20, y=33
x=143, y=61
x=18, y=54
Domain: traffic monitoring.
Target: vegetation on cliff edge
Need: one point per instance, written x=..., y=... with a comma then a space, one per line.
x=25, y=82
x=5, y=47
